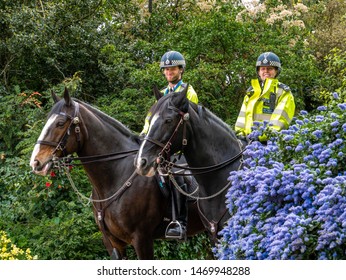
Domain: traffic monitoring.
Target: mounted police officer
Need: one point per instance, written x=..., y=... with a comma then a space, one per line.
x=172, y=66
x=267, y=99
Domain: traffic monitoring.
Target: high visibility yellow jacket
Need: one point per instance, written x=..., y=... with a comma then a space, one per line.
x=191, y=95
x=273, y=103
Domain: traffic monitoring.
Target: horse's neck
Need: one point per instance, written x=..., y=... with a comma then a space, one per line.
x=211, y=143
x=210, y=146
x=109, y=142
x=106, y=136
x=105, y=139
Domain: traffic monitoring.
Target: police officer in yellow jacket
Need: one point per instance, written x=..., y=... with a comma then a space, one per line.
x=172, y=66
x=267, y=99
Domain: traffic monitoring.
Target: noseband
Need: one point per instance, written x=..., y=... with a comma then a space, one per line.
x=61, y=145
x=166, y=148
x=164, y=162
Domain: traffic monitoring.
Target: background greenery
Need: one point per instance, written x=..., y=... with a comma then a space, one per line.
x=107, y=53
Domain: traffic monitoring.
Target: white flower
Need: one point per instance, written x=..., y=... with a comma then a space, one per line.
x=301, y=8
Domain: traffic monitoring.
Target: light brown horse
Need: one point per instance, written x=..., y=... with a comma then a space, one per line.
x=128, y=208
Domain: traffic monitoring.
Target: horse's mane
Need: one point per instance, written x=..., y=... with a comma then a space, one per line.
x=108, y=119
x=209, y=116
x=199, y=109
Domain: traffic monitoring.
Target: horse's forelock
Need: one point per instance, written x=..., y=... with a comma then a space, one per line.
x=161, y=104
x=57, y=107
x=175, y=99
x=180, y=100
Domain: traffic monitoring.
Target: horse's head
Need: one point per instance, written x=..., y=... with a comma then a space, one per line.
x=56, y=138
x=167, y=132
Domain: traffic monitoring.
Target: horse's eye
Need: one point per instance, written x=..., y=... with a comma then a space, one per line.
x=168, y=120
x=60, y=123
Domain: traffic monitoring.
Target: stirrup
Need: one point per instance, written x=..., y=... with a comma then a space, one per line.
x=174, y=224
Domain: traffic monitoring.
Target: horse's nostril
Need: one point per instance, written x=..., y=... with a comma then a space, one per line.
x=143, y=162
x=34, y=164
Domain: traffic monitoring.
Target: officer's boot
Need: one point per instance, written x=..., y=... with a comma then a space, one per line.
x=177, y=229
x=183, y=210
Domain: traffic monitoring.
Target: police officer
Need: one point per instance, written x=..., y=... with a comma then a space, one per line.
x=172, y=66
x=267, y=99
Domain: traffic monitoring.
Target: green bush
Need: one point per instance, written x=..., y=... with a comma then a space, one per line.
x=107, y=53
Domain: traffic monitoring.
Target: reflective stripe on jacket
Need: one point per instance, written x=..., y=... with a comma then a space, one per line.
x=258, y=106
x=191, y=95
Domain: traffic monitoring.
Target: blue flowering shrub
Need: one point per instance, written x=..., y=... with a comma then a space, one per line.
x=289, y=199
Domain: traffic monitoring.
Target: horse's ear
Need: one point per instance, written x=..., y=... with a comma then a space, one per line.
x=55, y=97
x=182, y=101
x=157, y=93
x=67, y=97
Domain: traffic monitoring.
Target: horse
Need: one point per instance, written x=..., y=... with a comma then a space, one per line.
x=210, y=146
x=129, y=209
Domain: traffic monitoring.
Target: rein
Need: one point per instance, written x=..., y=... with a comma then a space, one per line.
x=110, y=199
x=191, y=195
x=168, y=165
x=61, y=145
x=206, y=169
x=96, y=158
x=166, y=148
x=63, y=162
x=165, y=164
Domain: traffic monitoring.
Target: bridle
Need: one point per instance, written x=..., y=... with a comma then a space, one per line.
x=164, y=154
x=164, y=162
x=61, y=144
x=65, y=161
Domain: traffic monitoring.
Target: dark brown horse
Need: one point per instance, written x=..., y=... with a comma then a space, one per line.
x=210, y=147
x=128, y=208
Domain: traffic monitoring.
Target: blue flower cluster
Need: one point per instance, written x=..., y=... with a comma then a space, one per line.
x=289, y=200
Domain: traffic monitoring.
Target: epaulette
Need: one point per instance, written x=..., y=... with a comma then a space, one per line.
x=284, y=87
